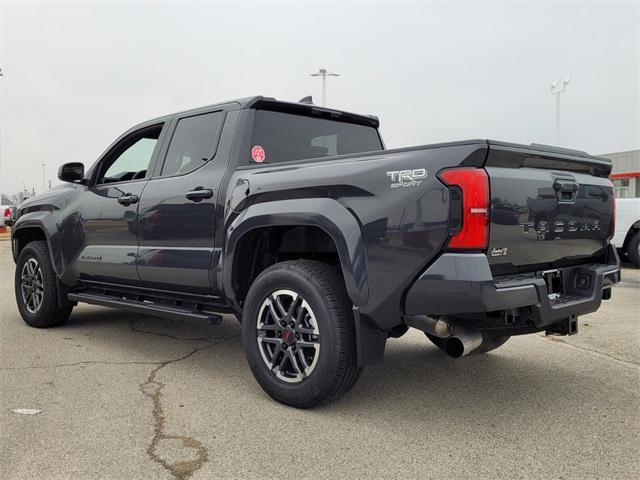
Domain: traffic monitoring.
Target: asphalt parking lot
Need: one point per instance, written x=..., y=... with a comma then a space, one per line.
x=128, y=396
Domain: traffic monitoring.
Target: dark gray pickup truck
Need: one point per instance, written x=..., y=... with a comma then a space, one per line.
x=321, y=242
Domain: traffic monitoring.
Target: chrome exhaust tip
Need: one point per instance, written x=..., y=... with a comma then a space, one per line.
x=458, y=341
x=462, y=343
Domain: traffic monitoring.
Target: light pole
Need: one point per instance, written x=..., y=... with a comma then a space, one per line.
x=43, y=188
x=557, y=88
x=324, y=73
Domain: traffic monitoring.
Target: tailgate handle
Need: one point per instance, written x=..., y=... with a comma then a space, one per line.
x=565, y=190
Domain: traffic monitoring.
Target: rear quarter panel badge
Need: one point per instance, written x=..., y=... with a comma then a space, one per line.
x=407, y=178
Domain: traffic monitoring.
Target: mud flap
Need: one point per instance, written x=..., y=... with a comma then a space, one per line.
x=62, y=291
x=370, y=342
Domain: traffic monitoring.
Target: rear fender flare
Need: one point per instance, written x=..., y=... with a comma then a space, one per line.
x=325, y=213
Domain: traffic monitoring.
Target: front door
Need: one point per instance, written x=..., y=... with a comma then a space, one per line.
x=178, y=208
x=105, y=225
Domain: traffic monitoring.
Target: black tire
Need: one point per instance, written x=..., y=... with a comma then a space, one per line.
x=48, y=314
x=632, y=249
x=335, y=370
x=489, y=342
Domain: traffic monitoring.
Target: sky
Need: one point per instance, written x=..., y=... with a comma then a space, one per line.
x=77, y=75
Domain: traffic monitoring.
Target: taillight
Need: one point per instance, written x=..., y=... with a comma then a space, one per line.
x=613, y=211
x=473, y=197
x=7, y=212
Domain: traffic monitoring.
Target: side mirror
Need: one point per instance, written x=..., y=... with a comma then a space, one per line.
x=71, y=172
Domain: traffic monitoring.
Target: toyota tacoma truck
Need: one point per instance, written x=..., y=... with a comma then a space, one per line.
x=324, y=244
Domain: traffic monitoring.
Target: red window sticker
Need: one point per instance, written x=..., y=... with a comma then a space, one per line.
x=257, y=154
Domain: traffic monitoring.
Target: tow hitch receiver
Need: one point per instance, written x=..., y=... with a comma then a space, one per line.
x=567, y=326
x=553, y=279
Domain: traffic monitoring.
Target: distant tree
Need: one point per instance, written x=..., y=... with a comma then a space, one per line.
x=17, y=198
x=5, y=199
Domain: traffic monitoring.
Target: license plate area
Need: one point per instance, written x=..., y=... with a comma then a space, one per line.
x=553, y=280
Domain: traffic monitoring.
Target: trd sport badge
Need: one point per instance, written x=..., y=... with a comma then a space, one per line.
x=407, y=178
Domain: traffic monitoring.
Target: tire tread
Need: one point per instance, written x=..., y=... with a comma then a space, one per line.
x=50, y=315
x=328, y=284
x=335, y=293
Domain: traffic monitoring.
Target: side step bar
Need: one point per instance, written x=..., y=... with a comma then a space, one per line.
x=146, y=308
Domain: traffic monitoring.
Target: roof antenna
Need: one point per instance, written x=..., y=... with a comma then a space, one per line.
x=308, y=99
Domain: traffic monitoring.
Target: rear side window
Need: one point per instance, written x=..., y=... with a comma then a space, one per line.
x=283, y=137
x=193, y=143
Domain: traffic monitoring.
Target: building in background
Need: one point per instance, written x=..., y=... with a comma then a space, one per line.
x=626, y=173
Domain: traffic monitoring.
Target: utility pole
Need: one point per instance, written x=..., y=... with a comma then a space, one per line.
x=557, y=88
x=42, y=177
x=324, y=73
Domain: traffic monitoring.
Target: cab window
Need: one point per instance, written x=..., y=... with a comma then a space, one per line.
x=284, y=137
x=131, y=158
x=193, y=143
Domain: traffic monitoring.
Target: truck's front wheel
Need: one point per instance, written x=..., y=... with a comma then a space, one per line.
x=36, y=290
x=298, y=333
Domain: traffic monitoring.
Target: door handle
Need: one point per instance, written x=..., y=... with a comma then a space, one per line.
x=127, y=199
x=199, y=193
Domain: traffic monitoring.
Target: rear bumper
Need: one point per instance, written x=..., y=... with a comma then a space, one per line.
x=459, y=283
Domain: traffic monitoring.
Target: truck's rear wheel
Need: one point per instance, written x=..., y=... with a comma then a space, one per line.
x=36, y=290
x=489, y=342
x=298, y=333
x=633, y=249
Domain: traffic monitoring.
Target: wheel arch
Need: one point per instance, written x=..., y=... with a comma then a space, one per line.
x=38, y=226
x=633, y=229
x=327, y=215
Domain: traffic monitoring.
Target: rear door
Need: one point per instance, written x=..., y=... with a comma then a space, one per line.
x=178, y=210
x=546, y=208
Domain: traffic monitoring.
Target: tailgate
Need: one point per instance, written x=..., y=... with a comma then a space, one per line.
x=548, y=207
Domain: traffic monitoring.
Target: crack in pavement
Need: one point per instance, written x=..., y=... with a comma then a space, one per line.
x=100, y=362
x=75, y=364
x=561, y=342
x=152, y=388
x=133, y=328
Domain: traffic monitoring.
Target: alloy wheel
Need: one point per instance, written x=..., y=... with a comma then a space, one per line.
x=288, y=336
x=32, y=285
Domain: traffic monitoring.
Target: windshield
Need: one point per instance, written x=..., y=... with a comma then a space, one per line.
x=283, y=137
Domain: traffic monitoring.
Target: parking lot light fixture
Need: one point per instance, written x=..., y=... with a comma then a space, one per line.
x=557, y=88
x=324, y=73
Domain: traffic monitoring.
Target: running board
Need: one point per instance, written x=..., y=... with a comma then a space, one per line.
x=146, y=308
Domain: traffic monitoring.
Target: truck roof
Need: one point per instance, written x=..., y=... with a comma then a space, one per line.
x=270, y=103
